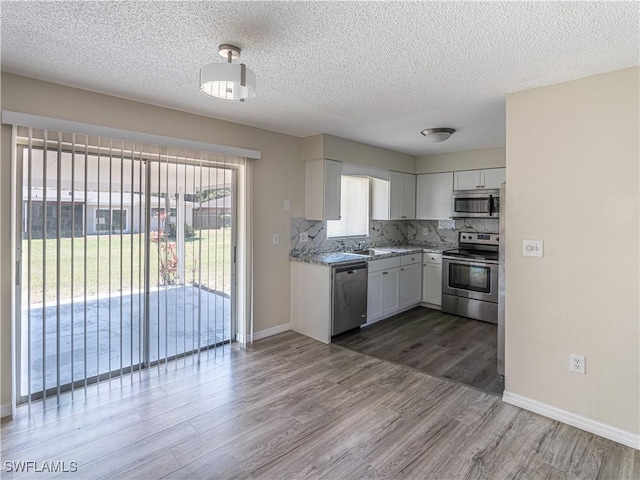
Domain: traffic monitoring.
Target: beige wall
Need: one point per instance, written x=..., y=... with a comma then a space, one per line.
x=278, y=175
x=572, y=181
x=468, y=160
x=344, y=150
x=5, y=271
x=273, y=179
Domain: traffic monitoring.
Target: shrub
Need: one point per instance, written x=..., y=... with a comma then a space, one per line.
x=189, y=231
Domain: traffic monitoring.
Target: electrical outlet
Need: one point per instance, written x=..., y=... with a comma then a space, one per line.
x=577, y=364
x=425, y=231
x=276, y=239
x=304, y=237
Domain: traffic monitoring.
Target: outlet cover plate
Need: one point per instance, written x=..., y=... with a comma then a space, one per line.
x=304, y=237
x=276, y=239
x=577, y=364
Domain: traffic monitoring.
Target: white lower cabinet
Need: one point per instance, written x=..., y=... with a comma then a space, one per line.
x=374, y=297
x=383, y=294
x=410, y=285
x=395, y=284
x=390, y=292
x=432, y=279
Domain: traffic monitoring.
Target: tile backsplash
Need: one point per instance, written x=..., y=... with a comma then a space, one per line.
x=383, y=233
x=380, y=233
x=415, y=228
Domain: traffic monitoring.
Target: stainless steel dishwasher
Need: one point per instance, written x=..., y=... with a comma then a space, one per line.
x=348, y=297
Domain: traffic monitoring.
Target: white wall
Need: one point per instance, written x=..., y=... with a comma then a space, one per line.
x=573, y=160
x=467, y=160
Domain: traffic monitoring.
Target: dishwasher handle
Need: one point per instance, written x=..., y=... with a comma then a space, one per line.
x=349, y=268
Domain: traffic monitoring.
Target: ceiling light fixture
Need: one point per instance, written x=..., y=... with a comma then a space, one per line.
x=438, y=134
x=228, y=81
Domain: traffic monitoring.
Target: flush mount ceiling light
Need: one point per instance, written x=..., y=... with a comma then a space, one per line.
x=228, y=81
x=438, y=134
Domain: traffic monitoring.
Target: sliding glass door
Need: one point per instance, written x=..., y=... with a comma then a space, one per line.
x=126, y=259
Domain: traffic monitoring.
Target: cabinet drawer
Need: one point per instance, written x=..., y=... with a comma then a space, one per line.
x=433, y=258
x=384, y=264
x=410, y=258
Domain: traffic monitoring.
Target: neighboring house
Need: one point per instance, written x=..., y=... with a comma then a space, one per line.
x=215, y=213
x=105, y=212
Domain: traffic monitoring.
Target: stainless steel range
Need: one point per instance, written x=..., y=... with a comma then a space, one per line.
x=470, y=277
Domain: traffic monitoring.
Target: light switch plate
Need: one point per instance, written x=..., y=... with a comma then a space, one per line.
x=532, y=248
x=287, y=205
x=304, y=237
x=276, y=239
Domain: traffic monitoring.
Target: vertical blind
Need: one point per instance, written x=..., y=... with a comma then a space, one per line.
x=354, y=209
x=127, y=258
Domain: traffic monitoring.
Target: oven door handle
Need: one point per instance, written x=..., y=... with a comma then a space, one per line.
x=479, y=263
x=491, y=205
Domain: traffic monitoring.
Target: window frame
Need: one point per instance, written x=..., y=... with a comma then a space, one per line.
x=368, y=216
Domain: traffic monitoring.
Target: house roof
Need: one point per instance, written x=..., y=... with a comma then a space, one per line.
x=93, y=197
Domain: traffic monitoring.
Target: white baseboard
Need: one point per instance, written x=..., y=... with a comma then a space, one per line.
x=431, y=305
x=612, y=433
x=5, y=410
x=271, y=331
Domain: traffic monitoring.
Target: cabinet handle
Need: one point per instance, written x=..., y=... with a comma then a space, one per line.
x=384, y=273
x=402, y=269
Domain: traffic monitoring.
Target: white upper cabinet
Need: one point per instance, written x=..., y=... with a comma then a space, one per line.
x=322, y=190
x=394, y=199
x=479, y=179
x=493, y=177
x=433, y=198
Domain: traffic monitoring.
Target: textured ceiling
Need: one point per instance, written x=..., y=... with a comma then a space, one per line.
x=375, y=72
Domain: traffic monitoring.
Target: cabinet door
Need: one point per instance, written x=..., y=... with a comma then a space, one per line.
x=410, y=285
x=374, y=297
x=432, y=283
x=408, y=196
x=396, y=195
x=467, y=180
x=493, y=177
x=433, y=196
x=332, y=189
x=390, y=291
x=322, y=190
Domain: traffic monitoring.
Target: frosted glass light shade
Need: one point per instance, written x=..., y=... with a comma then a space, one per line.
x=224, y=81
x=438, y=134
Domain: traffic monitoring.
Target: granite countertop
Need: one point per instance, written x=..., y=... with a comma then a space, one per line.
x=345, y=258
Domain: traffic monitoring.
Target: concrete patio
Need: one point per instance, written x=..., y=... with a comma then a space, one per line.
x=174, y=311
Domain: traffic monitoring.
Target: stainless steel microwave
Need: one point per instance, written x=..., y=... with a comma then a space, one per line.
x=475, y=204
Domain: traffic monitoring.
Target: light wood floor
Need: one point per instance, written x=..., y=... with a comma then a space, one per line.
x=440, y=344
x=291, y=407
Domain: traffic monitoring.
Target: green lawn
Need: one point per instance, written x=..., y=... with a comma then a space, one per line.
x=104, y=272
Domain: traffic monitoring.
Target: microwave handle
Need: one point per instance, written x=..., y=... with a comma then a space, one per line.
x=491, y=205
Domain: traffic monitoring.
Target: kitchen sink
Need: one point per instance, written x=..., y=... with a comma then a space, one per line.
x=371, y=251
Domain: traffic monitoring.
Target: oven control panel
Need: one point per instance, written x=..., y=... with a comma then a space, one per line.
x=479, y=238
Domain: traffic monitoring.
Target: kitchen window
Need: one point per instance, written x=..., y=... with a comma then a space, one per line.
x=354, y=209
